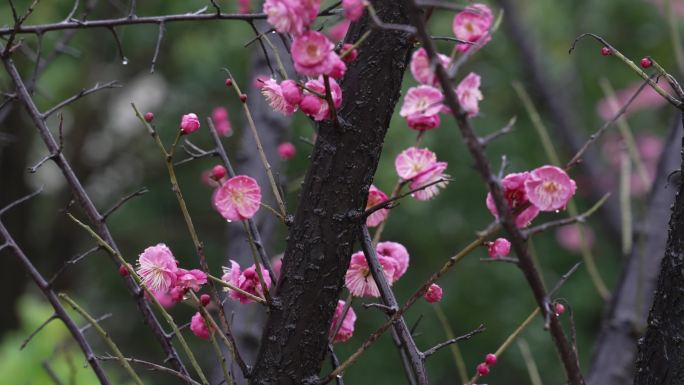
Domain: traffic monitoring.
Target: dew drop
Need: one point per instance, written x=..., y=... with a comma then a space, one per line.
x=229, y=221
x=124, y=61
x=557, y=211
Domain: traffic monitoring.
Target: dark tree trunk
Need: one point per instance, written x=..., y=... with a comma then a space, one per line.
x=660, y=359
x=615, y=349
x=335, y=191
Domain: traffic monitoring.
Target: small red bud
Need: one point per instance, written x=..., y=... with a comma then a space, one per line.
x=605, y=51
x=218, y=172
x=559, y=308
x=482, y=369
x=490, y=359
x=229, y=82
x=243, y=98
x=646, y=62
x=205, y=299
x=123, y=271
x=149, y=117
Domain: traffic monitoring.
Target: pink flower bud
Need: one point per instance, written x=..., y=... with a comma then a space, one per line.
x=218, y=172
x=483, y=369
x=205, y=299
x=291, y=92
x=646, y=62
x=177, y=294
x=310, y=104
x=229, y=82
x=559, y=308
x=499, y=248
x=352, y=55
x=243, y=98
x=490, y=359
x=434, y=293
x=149, y=117
x=123, y=271
x=286, y=150
x=189, y=124
x=605, y=51
x=199, y=327
x=338, y=69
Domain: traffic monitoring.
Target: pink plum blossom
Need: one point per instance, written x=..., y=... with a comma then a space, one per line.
x=398, y=253
x=247, y=280
x=199, y=326
x=353, y=9
x=359, y=280
x=286, y=150
x=190, y=279
x=472, y=24
x=414, y=161
x=501, y=247
x=274, y=95
x=219, y=113
x=469, y=94
x=220, y=118
x=313, y=54
x=422, y=123
x=430, y=175
x=292, y=93
x=157, y=268
x=421, y=68
x=317, y=107
x=339, y=30
x=569, y=237
x=433, y=294
x=291, y=16
x=243, y=6
x=277, y=264
x=549, y=188
x=347, y=328
x=422, y=101
x=339, y=67
x=516, y=198
x=350, y=53
x=189, y=124
x=164, y=298
x=375, y=197
x=238, y=198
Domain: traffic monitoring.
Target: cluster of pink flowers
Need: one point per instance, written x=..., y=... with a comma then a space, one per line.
x=394, y=259
x=220, y=118
x=421, y=167
x=547, y=188
x=246, y=280
x=346, y=329
x=472, y=25
x=159, y=272
x=288, y=96
x=238, y=198
x=375, y=197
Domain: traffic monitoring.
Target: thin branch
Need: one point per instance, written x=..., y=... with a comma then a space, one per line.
x=389, y=310
x=51, y=373
x=124, y=59
x=563, y=279
x=20, y=201
x=566, y=221
x=391, y=202
x=73, y=261
x=82, y=93
x=334, y=363
x=141, y=191
x=157, y=47
x=448, y=342
x=28, y=339
x=153, y=366
x=503, y=131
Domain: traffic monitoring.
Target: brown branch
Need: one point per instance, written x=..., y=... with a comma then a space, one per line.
x=82, y=93
x=448, y=342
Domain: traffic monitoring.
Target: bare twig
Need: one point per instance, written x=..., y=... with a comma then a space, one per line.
x=153, y=366
x=82, y=93
x=141, y=191
x=73, y=261
x=157, y=47
x=448, y=342
x=38, y=329
x=566, y=221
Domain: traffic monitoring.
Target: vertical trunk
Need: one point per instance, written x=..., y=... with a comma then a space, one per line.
x=320, y=241
x=660, y=359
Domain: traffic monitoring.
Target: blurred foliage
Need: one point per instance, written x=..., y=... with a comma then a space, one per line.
x=116, y=157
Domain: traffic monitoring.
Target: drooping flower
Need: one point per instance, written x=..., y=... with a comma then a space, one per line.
x=430, y=177
x=190, y=279
x=398, y=253
x=291, y=16
x=422, y=69
x=472, y=25
x=286, y=150
x=570, y=239
x=414, y=161
x=238, y=198
x=501, y=247
x=317, y=107
x=246, y=280
x=353, y=9
x=469, y=94
x=199, y=326
x=274, y=95
x=516, y=198
x=549, y=188
x=433, y=294
x=157, y=268
x=422, y=101
x=347, y=328
x=189, y=124
x=359, y=280
x=422, y=123
x=313, y=54
x=375, y=197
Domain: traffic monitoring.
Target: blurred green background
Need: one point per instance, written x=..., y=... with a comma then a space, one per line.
x=113, y=155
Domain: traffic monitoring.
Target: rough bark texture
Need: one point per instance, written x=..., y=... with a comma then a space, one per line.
x=615, y=350
x=334, y=193
x=660, y=359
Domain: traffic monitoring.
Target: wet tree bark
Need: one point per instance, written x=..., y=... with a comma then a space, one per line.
x=615, y=349
x=660, y=359
x=334, y=193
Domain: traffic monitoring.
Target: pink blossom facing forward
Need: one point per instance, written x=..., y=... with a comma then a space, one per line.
x=375, y=197
x=312, y=54
x=238, y=198
x=431, y=175
x=570, y=239
x=501, y=247
x=353, y=9
x=247, y=280
x=549, y=188
x=199, y=326
x=473, y=24
x=469, y=94
x=358, y=278
x=422, y=69
x=516, y=198
x=190, y=279
x=157, y=268
x=414, y=161
x=433, y=294
x=291, y=16
x=396, y=252
x=423, y=123
x=286, y=150
x=422, y=101
x=347, y=328
x=274, y=95
x=189, y=124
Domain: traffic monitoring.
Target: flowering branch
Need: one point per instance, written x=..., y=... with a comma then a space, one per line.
x=565, y=221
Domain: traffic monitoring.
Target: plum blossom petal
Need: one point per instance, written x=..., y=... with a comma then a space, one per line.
x=413, y=161
x=353, y=9
x=421, y=68
x=516, y=198
x=313, y=54
x=347, y=328
x=317, y=107
x=375, y=197
x=199, y=326
x=398, y=253
x=469, y=94
x=472, y=25
x=246, y=280
x=274, y=95
x=359, y=280
x=157, y=268
x=190, y=279
x=238, y=198
x=431, y=174
x=549, y=188
x=189, y=124
x=422, y=101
